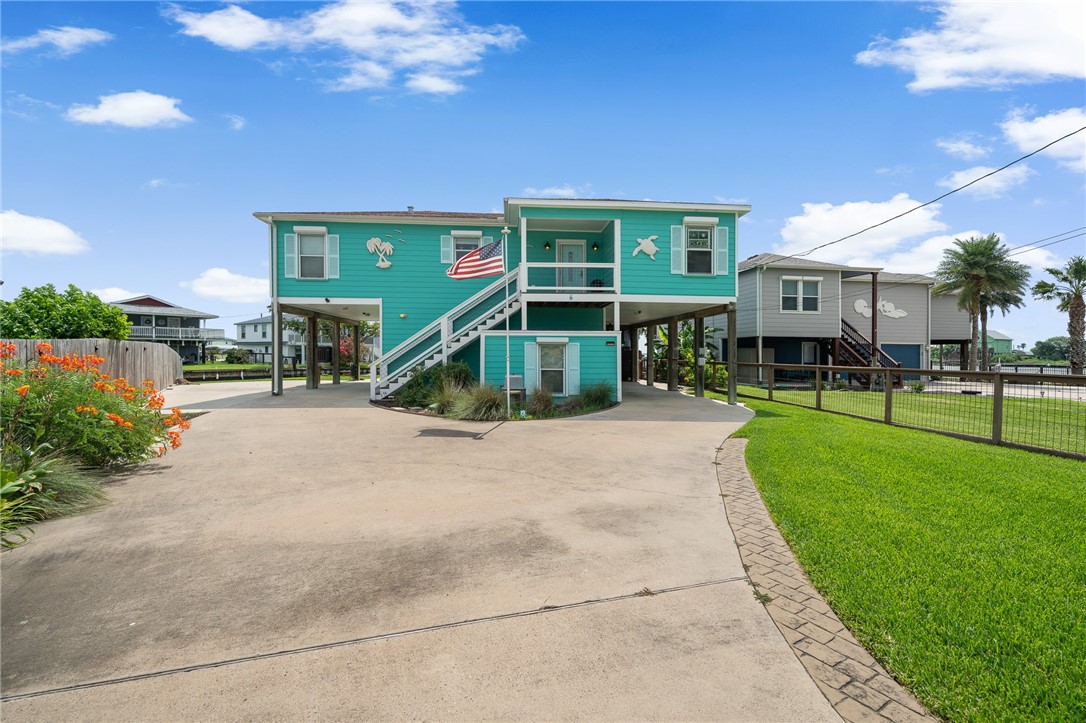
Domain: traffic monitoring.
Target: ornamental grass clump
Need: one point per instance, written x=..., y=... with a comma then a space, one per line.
x=540, y=403
x=60, y=415
x=483, y=404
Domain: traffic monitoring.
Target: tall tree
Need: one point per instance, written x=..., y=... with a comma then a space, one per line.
x=979, y=270
x=1068, y=289
x=45, y=313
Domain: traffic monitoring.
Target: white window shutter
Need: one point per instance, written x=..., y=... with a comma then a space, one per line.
x=447, y=255
x=531, y=366
x=676, y=249
x=290, y=256
x=573, y=369
x=333, y=256
x=722, y=268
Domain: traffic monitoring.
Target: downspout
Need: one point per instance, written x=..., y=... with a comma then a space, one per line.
x=758, y=320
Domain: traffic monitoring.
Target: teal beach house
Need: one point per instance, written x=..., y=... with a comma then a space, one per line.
x=578, y=278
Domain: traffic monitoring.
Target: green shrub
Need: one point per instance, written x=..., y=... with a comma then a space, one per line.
x=917, y=386
x=424, y=382
x=572, y=405
x=483, y=404
x=840, y=384
x=236, y=356
x=540, y=403
x=596, y=395
x=443, y=398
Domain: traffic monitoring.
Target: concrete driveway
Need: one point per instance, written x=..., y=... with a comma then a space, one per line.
x=310, y=556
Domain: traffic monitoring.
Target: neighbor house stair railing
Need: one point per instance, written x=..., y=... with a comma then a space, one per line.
x=855, y=349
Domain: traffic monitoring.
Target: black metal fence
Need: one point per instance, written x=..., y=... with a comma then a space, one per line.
x=1041, y=412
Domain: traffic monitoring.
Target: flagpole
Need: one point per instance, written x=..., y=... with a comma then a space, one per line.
x=505, y=272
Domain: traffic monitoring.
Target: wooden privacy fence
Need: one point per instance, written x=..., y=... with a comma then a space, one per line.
x=133, y=360
x=1030, y=411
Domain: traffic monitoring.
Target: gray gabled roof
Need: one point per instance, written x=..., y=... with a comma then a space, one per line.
x=127, y=307
x=790, y=262
x=261, y=320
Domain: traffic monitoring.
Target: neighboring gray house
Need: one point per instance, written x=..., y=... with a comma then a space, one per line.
x=182, y=329
x=799, y=311
x=255, y=337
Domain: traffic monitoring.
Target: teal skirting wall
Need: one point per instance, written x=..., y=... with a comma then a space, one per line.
x=598, y=354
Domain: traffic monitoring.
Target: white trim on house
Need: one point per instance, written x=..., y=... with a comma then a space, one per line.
x=738, y=209
x=311, y=229
x=712, y=300
x=701, y=220
x=266, y=217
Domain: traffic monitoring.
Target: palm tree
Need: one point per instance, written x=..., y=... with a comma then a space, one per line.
x=983, y=276
x=1069, y=289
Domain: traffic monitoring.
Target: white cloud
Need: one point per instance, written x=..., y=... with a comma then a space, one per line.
x=156, y=183
x=237, y=122
x=115, y=293
x=428, y=42
x=64, y=41
x=963, y=147
x=137, y=109
x=825, y=222
x=33, y=235
x=27, y=107
x=566, y=190
x=425, y=83
x=219, y=283
x=996, y=186
x=1030, y=134
x=989, y=45
x=924, y=257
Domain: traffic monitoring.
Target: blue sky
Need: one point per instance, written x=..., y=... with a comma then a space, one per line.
x=138, y=138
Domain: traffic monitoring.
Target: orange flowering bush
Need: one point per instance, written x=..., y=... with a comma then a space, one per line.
x=69, y=404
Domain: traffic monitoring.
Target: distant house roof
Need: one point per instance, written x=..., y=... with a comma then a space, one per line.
x=792, y=262
x=993, y=334
x=153, y=305
x=261, y=320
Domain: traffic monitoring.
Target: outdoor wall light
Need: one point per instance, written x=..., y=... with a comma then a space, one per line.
x=403, y=316
x=547, y=246
x=595, y=246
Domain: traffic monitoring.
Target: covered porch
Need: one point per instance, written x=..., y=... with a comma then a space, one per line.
x=350, y=313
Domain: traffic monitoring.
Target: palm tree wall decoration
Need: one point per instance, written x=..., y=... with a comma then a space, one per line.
x=382, y=248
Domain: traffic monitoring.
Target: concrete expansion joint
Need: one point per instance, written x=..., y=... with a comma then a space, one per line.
x=854, y=683
x=543, y=609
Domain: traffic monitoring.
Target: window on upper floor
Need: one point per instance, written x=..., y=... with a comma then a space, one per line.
x=310, y=253
x=801, y=294
x=699, y=247
x=699, y=250
x=243, y=332
x=458, y=244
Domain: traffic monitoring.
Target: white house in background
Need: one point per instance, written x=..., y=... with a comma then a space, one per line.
x=183, y=330
x=255, y=337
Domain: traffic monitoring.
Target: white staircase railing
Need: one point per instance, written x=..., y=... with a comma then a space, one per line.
x=436, y=342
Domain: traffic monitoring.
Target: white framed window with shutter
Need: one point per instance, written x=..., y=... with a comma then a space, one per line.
x=310, y=253
x=458, y=244
x=699, y=247
x=553, y=364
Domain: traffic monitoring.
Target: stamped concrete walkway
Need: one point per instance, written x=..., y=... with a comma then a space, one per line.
x=857, y=686
x=311, y=557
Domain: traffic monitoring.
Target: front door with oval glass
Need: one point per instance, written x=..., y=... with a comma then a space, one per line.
x=570, y=252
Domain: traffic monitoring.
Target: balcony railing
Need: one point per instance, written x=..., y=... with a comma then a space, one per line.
x=569, y=278
x=175, y=332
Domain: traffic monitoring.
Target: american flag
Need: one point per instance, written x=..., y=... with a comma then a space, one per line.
x=485, y=261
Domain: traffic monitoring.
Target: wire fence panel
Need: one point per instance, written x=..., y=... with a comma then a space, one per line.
x=1044, y=412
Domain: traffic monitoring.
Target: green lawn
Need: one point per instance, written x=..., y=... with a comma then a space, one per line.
x=961, y=566
x=224, y=367
x=1049, y=422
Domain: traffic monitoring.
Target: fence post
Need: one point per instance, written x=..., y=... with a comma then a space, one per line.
x=888, y=409
x=997, y=410
x=772, y=378
x=818, y=387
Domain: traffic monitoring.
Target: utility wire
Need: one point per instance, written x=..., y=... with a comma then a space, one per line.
x=1021, y=249
x=939, y=198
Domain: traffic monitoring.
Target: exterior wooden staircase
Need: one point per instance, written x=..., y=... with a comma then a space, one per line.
x=447, y=334
x=854, y=349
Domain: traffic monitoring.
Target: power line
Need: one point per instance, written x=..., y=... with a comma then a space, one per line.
x=1020, y=249
x=939, y=198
